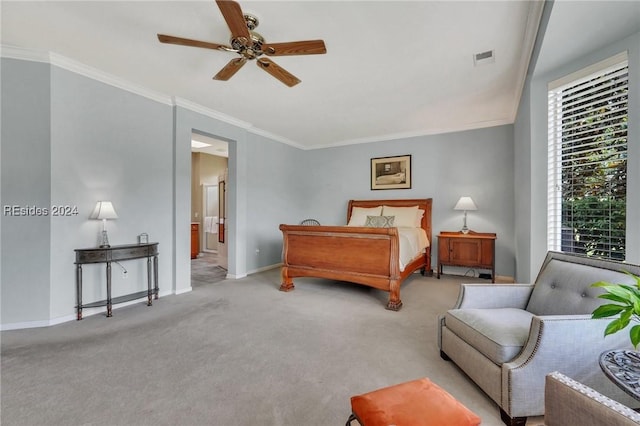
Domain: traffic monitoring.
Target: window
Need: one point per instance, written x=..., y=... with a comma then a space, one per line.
x=587, y=164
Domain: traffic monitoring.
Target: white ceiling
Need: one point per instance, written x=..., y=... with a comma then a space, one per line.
x=392, y=69
x=577, y=28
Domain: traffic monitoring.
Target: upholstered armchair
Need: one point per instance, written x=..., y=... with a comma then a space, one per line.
x=507, y=338
x=568, y=402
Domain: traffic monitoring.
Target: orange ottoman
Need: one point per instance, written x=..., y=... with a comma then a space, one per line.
x=416, y=403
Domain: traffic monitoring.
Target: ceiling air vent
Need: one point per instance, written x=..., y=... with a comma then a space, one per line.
x=484, y=58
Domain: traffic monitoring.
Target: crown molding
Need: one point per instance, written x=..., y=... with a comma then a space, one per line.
x=277, y=138
x=211, y=113
x=192, y=106
x=13, y=52
x=417, y=134
x=79, y=68
x=534, y=17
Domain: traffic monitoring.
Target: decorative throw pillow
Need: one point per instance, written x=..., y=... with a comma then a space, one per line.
x=359, y=215
x=405, y=216
x=379, y=221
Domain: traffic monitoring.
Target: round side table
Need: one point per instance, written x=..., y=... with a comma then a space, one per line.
x=622, y=367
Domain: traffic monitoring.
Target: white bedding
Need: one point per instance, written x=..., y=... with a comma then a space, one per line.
x=413, y=241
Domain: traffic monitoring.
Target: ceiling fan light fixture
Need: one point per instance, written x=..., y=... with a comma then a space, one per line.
x=252, y=21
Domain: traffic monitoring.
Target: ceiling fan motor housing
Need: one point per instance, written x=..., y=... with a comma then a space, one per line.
x=252, y=51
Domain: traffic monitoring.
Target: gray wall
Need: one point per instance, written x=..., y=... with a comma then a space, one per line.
x=531, y=158
x=107, y=144
x=477, y=163
x=263, y=191
x=25, y=154
x=276, y=193
x=71, y=140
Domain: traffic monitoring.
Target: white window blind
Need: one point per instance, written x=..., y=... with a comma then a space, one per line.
x=587, y=163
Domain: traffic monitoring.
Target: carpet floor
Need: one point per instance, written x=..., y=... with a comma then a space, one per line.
x=205, y=270
x=234, y=352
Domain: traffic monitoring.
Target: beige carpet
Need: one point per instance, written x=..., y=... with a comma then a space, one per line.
x=233, y=353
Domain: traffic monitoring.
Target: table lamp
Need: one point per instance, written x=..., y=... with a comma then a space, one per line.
x=465, y=203
x=104, y=210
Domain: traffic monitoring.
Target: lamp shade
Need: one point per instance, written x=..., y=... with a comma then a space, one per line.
x=104, y=210
x=465, y=203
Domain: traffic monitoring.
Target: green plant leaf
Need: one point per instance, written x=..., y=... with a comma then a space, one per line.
x=625, y=315
x=615, y=326
x=627, y=306
x=634, y=334
x=607, y=310
x=613, y=297
x=619, y=291
x=635, y=277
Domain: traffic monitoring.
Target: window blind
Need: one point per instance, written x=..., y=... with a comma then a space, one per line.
x=587, y=163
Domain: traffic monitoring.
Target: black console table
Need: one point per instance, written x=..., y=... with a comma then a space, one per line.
x=116, y=254
x=622, y=367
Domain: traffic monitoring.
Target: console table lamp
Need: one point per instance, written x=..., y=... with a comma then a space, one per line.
x=104, y=210
x=465, y=203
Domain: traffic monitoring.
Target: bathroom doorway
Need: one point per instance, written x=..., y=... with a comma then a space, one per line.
x=209, y=166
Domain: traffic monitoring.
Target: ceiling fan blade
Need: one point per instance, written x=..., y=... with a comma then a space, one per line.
x=306, y=47
x=278, y=72
x=189, y=42
x=232, y=13
x=230, y=69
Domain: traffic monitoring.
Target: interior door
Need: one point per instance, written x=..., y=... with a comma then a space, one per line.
x=209, y=234
x=222, y=225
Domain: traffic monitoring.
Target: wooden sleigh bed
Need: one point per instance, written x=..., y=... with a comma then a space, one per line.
x=363, y=255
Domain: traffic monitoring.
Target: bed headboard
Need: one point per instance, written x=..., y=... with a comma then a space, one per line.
x=424, y=204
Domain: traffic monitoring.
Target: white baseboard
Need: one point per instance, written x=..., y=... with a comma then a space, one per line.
x=86, y=312
x=184, y=290
x=264, y=268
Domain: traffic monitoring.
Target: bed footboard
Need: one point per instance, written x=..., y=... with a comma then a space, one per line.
x=368, y=256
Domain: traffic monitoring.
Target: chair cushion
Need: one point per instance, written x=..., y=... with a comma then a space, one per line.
x=564, y=288
x=415, y=403
x=498, y=334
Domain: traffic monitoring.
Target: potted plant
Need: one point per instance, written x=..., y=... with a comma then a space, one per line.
x=625, y=306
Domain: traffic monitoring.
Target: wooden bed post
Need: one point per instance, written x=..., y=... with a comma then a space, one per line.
x=394, y=303
x=287, y=283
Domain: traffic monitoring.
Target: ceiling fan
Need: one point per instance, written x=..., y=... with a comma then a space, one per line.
x=250, y=45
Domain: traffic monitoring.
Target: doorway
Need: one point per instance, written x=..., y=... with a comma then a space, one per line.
x=209, y=165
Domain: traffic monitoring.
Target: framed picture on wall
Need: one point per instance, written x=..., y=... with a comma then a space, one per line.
x=391, y=172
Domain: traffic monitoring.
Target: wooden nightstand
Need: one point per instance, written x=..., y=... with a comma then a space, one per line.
x=473, y=250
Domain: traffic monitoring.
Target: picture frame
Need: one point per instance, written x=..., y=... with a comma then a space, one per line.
x=391, y=172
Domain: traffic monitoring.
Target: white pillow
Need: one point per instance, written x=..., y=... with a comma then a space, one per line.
x=405, y=216
x=359, y=215
x=419, y=217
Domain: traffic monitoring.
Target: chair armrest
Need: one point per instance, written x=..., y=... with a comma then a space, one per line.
x=571, y=344
x=491, y=296
x=570, y=402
